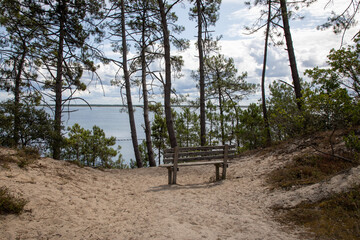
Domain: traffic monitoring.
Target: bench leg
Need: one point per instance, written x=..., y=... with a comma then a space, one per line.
x=224, y=171
x=217, y=172
x=174, y=175
x=170, y=175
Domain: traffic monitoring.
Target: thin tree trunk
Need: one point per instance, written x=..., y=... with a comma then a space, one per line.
x=266, y=120
x=58, y=84
x=17, y=98
x=291, y=53
x=221, y=118
x=202, y=76
x=167, y=87
x=150, y=151
x=128, y=90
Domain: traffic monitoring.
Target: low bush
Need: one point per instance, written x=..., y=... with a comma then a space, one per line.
x=9, y=203
x=337, y=217
x=307, y=169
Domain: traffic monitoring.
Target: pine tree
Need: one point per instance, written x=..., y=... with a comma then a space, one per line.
x=205, y=12
x=67, y=27
x=224, y=85
x=18, y=51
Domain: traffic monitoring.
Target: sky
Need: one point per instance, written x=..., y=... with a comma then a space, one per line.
x=311, y=48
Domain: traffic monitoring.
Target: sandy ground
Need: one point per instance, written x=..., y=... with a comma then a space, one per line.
x=69, y=202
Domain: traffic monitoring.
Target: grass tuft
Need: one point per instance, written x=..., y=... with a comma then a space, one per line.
x=10, y=204
x=22, y=157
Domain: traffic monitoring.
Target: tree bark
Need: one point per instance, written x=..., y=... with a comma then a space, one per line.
x=167, y=87
x=291, y=53
x=128, y=90
x=150, y=151
x=221, y=115
x=265, y=115
x=59, y=84
x=17, y=92
x=202, y=76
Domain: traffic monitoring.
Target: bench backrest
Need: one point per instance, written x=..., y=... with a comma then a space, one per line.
x=195, y=154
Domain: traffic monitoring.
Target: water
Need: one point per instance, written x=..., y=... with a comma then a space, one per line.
x=113, y=120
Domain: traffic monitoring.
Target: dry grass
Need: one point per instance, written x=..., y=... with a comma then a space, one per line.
x=22, y=157
x=307, y=169
x=9, y=203
x=335, y=218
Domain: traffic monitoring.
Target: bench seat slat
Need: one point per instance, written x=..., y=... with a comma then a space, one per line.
x=193, y=164
x=184, y=149
x=200, y=158
x=202, y=153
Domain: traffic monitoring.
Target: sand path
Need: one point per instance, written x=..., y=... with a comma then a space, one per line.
x=68, y=202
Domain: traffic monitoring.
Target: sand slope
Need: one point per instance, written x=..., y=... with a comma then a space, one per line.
x=69, y=202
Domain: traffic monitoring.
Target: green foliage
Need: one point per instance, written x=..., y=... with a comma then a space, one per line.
x=251, y=129
x=226, y=88
x=213, y=124
x=330, y=109
x=159, y=132
x=352, y=143
x=143, y=155
x=334, y=93
x=10, y=204
x=285, y=118
x=120, y=162
x=345, y=63
x=35, y=125
x=90, y=148
x=19, y=30
x=187, y=127
x=223, y=82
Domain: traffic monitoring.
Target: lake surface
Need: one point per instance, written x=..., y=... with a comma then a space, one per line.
x=113, y=120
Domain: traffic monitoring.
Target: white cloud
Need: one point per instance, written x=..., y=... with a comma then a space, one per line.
x=237, y=2
x=311, y=48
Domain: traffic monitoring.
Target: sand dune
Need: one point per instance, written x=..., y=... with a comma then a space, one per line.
x=69, y=202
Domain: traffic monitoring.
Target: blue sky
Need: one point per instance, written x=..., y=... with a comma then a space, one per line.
x=311, y=48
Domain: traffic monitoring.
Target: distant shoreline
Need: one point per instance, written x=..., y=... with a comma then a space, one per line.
x=119, y=105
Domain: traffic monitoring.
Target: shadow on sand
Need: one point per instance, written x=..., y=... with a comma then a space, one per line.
x=175, y=187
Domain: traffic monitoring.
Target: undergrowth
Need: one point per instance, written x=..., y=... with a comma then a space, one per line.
x=23, y=157
x=337, y=217
x=9, y=203
x=307, y=169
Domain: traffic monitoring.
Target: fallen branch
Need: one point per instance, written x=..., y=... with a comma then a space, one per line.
x=334, y=155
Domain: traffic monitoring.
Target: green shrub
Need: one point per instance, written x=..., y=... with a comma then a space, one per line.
x=90, y=147
x=352, y=143
x=35, y=126
x=10, y=204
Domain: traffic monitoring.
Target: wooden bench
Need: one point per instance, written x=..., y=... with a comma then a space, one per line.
x=197, y=156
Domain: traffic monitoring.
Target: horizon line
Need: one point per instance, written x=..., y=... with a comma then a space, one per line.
x=123, y=105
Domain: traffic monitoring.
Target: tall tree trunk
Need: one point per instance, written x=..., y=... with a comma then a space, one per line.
x=128, y=90
x=167, y=87
x=221, y=117
x=150, y=151
x=291, y=53
x=17, y=98
x=202, y=76
x=58, y=84
x=265, y=115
